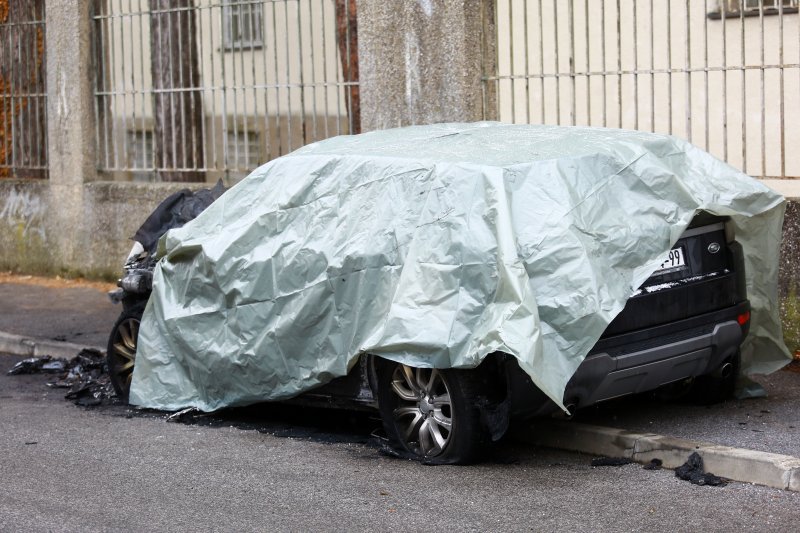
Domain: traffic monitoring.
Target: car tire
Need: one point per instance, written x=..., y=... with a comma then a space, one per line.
x=431, y=414
x=121, y=350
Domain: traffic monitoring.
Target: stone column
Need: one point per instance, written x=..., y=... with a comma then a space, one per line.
x=421, y=62
x=70, y=123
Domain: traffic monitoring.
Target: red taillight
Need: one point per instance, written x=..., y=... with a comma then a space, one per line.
x=743, y=319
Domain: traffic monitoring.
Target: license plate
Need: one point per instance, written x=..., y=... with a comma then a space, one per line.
x=673, y=260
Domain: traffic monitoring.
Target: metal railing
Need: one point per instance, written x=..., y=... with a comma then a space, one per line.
x=23, y=98
x=723, y=74
x=194, y=90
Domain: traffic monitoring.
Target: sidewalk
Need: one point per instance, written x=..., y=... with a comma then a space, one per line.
x=55, y=314
x=41, y=316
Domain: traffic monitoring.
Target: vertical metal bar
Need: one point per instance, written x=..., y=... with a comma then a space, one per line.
x=237, y=52
x=744, y=83
x=557, y=69
x=288, y=76
x=763, y=98
x=200, y=94
x=511, y=60
x=325, y=72
x=669, y=63
x=706, y=125
x=255, y=8
x=346, y=82
x=223, y=87
x=527, y=72
x=277, y=79
x=340, y=84
x=571, y=15
x=314, y=87
x=588, y=66
x=241, y=90
x=97, y=75
x=107, y=84
x=214, y=89
x=43, y=19
x=635, y=67
x=114, y=92
x=603, y=57
x=619, y=64
x=652, y=67
x=15, y=99
x=688, y=71
x=26, y=122
x=541, y=62
x=172, y=97
x=193, y=14
x=724, y=84
x=125, y=48
x=149, y=163
x=302, y=76
x=267, y=133
x=782, y=91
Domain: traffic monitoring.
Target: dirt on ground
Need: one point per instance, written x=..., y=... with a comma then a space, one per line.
x=55, y=282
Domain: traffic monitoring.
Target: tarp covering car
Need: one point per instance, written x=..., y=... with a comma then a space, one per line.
x=435, y=246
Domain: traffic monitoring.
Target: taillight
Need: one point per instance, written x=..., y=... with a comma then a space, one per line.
x=743, y=319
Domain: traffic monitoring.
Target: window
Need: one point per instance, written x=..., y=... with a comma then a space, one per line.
x=752, y=8
x=243, y=150
x=242, y=24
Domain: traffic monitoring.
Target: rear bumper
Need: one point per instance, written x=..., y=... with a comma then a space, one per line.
x=641, y=361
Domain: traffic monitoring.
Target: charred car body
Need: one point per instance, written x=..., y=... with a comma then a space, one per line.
x=682, y=328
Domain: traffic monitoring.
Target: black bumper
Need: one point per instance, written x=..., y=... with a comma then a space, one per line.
x=640, y=361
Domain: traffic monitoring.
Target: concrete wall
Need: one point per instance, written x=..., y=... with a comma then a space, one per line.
x=420, y=62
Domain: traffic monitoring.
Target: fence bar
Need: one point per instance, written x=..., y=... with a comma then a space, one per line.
x=763, y=98
x=744, y=88
x=688, y=70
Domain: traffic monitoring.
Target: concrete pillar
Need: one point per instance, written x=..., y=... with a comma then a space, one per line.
x=420, y=62
x=70, y=122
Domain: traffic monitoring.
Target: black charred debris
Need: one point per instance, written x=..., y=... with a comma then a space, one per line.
x=85, y=375
x=692, y=470
x=654, y=464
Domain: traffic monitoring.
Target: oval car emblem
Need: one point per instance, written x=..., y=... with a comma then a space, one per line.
x=714, y=247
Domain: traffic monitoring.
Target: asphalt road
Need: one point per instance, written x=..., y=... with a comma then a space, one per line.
x=68, y=468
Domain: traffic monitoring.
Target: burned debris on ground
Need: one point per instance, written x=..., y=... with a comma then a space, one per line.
x=85, y=375
x=692, y=470
x=611, y=461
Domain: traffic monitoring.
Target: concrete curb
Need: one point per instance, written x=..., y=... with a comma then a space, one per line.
x=738, y=464
x=33, y=347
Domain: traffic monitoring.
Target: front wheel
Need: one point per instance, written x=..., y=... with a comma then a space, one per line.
x=430, y=413
x=121, y=351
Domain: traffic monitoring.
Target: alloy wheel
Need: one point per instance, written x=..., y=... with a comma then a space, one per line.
x=122, y=355
x=424, y=412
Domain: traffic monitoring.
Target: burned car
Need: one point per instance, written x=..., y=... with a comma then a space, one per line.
x=458, y=277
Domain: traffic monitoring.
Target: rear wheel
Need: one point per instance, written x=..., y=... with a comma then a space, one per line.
x=121, y=351
x=431, y=413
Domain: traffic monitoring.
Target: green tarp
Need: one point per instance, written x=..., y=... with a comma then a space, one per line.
x=435, y=246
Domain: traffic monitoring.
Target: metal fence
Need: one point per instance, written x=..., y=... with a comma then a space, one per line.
x=23, y=99
x=723, y=74
x=193, y=90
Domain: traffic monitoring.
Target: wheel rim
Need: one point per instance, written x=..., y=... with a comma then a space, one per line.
x=424, y=415
x=123, y=354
